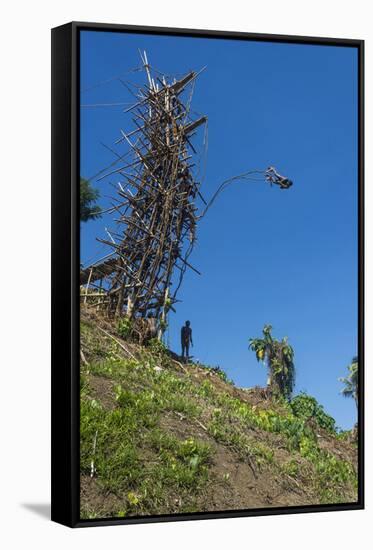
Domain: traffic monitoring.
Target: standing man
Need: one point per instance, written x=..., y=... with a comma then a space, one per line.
x=186, y=339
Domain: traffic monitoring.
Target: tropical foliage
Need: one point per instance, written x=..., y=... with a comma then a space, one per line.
x=89, y=210
x=278, y=355
x=351, y=380
x=306, y=407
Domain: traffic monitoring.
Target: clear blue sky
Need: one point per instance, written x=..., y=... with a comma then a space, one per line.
x=288, y=258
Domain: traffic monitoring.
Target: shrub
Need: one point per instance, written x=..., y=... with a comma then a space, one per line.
x=157, y=346
x=221, y=373
x=306, y=407
x=124, y=327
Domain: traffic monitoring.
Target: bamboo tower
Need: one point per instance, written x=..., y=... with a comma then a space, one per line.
x=155, y=205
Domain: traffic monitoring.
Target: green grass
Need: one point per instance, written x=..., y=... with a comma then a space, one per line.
x=234, y=437
x=150, y=469
x=134, y=458
x=330, y=475
x=124, y=436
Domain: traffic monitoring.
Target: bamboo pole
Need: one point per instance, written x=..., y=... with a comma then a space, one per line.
x=86, y=290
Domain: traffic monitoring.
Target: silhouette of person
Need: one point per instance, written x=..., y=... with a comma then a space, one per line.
x=186, y=339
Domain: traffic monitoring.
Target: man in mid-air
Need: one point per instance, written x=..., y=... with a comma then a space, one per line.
x=273, y=177
x=186, y=339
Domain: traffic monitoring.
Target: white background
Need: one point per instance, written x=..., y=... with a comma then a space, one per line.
x=25, y=273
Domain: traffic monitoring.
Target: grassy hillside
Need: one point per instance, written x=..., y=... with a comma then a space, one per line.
x=161, y=437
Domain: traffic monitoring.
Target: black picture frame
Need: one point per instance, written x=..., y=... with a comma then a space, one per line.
x=65, y=270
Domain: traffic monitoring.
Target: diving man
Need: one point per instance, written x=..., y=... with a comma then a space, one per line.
x=273, y=177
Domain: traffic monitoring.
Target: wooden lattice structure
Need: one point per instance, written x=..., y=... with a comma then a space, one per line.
x=155, y=205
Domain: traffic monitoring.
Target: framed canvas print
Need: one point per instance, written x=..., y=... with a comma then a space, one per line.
x=207, y=278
